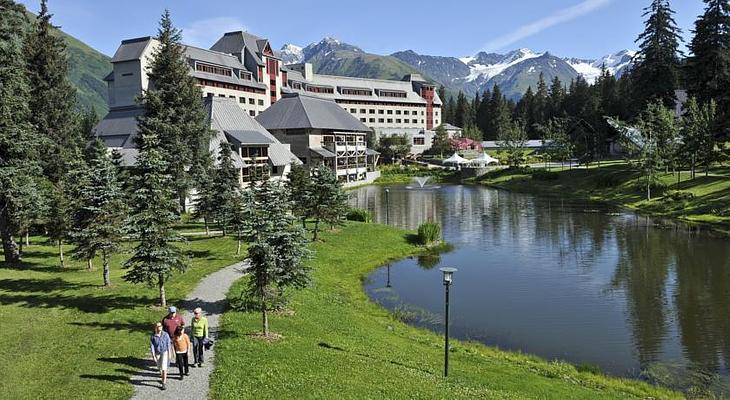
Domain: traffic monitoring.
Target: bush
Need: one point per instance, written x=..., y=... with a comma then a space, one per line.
x=358, y=214
x=429, y=232
x=679, y=196
x=544, y=175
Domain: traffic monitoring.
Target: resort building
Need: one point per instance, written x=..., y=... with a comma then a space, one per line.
x=411, y=103
x=320, y=131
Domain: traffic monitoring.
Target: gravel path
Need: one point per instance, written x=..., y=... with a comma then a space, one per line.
x=210, y=295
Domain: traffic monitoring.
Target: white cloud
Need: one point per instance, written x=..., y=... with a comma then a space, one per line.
x=556, y=18
x=205, y=32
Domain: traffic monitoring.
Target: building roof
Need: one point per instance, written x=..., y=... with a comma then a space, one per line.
x=213, y=57
x=450, y=127
x=529, y=144
x=240, y=42
x=280, y=154
x=119, y=127
x=300, y=111
x=248, y=137
x=322, y=151
x=131, y=49
x=374, y=85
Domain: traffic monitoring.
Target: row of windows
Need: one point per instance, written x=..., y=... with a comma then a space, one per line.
x=389, y=93
x=241, y=100
x=390, y=120
x=389, y=112
x=206, y=82
x=212, y=69
x=356, y=92
x=319, y=89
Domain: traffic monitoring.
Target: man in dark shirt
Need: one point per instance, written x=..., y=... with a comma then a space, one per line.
x=170, y=324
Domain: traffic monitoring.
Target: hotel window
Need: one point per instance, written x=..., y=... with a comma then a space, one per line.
x=261, y=102
x=397, y=112
x=221, y=95
x=390, y=112
x=388, y=93
x=353, y=110
x=363, y=119
x=356, y=92
x=380, y=120
x=397, y=120
x=390, y=120
x=213, y=69
x=381, y=111
x=372, y=111
x=232, y=97
x=242, y=100
x=362, y=111
x=252, y=113
x=406, y=112
x=251, y=101
x=419, y=141
x=437, y=113
x=372, y=120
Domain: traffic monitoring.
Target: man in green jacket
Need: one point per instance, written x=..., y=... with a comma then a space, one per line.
x=199, y=330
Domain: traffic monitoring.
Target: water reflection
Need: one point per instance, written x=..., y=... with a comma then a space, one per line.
x=567, y=280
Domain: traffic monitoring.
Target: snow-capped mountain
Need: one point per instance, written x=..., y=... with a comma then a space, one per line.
x=291, y=54
x=615, y=63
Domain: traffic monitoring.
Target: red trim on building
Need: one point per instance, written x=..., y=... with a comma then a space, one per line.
x=427, y=93
x=272, y=66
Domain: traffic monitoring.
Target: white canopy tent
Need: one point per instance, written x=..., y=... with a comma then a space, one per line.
x=456, y=159
x=484, y=159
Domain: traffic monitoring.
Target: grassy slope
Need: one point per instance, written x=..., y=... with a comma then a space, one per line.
x=338, y=344
x=86, y=71
x=64, y=334
x=617, y=183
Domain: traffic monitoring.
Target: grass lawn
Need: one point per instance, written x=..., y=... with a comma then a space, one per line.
x=337, y=344
x=616, y=182
x=65, y=336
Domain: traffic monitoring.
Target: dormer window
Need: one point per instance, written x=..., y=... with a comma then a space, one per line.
x=213, y=69
x=355, y=91
x=392, y=93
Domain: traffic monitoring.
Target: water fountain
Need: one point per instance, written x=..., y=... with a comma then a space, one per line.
x=422, y=183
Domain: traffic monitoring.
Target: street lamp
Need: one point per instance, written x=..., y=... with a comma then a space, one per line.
x=387, y=206
x=387, y=284
x=447, y=279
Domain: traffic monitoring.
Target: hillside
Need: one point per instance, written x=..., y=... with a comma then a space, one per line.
x=86, y=71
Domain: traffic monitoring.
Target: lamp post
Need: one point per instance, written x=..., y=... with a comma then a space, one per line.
x=447, y=279
x=387, y=206
x=387, y=284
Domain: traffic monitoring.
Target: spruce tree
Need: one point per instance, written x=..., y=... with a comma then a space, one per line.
x=225, y=188
x=299, y=190
x=555, y=100
x=656, y=67
x=329, y=201
x=19, y=168
x=708, y=66
x=153, y=212
x=176, y=101
x=100, y=212
x=202, y=176
x=461, y=113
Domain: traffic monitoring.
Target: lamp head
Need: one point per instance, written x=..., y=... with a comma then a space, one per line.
x=448, y=274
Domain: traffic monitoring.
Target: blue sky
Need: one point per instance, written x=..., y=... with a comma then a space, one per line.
x=570, y=28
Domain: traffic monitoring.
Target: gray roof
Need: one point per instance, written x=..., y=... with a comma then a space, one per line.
x=129, y=156
x=371, y=152
x=300, y=111
x=322, y=151
x=131, y=49
x=529, y=144
x=280, y=154
x=248, y=137
x=239, y=42
x=119, y=127
x=450, y=127
x=213, y=57
x=227, y=79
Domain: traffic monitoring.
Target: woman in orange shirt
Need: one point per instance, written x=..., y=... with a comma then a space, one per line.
x=181, y=343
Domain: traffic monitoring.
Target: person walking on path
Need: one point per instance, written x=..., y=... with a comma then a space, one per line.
x=182, y=346
x=199, y=331
x=170, y=323
x=160, y=345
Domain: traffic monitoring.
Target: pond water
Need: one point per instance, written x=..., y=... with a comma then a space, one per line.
x=564, y=280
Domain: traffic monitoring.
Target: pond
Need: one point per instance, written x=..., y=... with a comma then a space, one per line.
x=575, y=281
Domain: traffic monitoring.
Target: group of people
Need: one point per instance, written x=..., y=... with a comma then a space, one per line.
x=170, y=339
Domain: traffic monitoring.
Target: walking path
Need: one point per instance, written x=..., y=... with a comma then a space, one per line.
x=210, y=295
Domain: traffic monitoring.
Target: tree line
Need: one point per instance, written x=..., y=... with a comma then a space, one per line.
x=579, y=110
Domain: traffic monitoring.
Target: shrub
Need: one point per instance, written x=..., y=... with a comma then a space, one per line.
x=429, y=232
x=544, y=175
x=679, y=195
x=358, y=214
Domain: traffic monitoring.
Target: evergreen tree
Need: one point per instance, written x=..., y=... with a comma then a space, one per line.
x=540, y=111
x=277, y=250
x=329, y=201
x=471, y=131
x=225, y=188
x=175, y=100
x=512, y=141
x=708, y=68
x=19, y=169
x=461, y=113
x=556, y=140
x=450, y=111
x=440, y=141
x=483, y=112
x=153, y=213
x=202, y=176
x=697, y=135
x=99, y=216
x=300, y=190
x=555, y=101
x=656, y=68
x=500, y=120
